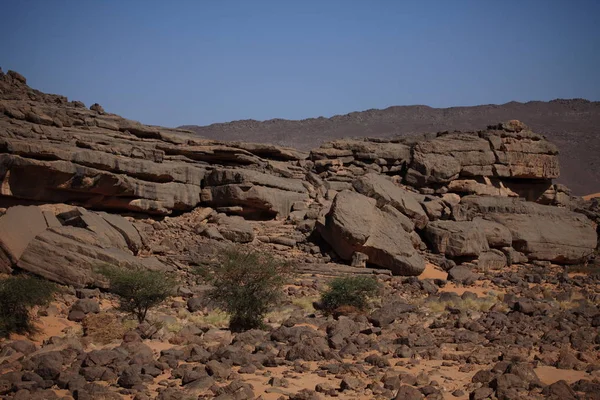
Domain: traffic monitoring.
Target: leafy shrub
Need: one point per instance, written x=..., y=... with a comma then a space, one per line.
x=17, y=295
x=349, y=291
x=246, y=285
x=138, y=289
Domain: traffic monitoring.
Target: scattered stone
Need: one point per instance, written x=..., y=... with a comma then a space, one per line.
x=351, y=383
x=408, y=393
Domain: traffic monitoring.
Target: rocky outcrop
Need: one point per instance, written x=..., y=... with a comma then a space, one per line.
x=508, y=150
x=356, y=224
x=506, y=159
x=506, y=162
x=378, y=202
x=357, y=195
x=538, y=231
x=67, y=247
x=99, y=160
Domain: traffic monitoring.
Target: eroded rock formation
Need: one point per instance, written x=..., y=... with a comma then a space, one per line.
x=482, y=196
x=68, y=244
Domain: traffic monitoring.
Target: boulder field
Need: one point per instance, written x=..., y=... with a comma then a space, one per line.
x=468, y=197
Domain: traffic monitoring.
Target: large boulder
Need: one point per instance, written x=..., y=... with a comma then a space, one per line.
x=69, y=248
x=70, y=256
x=385, y=191
x=236, y=229
x=444, y=158
x=456, y=239
x=107, y=236
x=540, y=232
x=130, y=233
x=432, y=169
x=562, y=236
x=355, y=224
x=19, y=226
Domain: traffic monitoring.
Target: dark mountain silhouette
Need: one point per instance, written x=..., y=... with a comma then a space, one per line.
x=573, y=125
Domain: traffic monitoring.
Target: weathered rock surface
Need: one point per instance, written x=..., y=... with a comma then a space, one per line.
x=505, y=160
x=504, y=151
x=259, y=194
x=18, y=227
x=100, y=160
x=540, y=232
x=482, y=186
x=355, y=224
x=456, y=239
x=386, y=192
x=69, y=252
x=236, y=229
x=591, y=209
x=497, y=235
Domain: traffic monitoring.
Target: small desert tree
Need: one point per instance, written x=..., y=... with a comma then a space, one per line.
x=349, y=291
x=138, y=289
x=246, y=285
x=18, y=294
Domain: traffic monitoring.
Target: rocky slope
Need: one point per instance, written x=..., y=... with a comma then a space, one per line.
x=570, y=124
x=473, y=218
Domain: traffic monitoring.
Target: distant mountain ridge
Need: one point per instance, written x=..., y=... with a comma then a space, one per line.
x=572, y=124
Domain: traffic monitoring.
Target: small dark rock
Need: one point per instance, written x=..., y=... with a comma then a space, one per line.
x=130, y=377
x=559, y=390
x=408, y=393
x=97, y=107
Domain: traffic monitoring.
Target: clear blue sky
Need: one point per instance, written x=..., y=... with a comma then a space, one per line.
x=198, y=62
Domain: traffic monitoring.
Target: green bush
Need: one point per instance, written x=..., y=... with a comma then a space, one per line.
x=349, y=291
x=139, y=290
x=246, y=285
x=17, y=295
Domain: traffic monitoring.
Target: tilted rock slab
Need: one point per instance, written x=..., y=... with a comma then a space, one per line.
x=68, y=249
x=384, y=191
x=355, y=224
